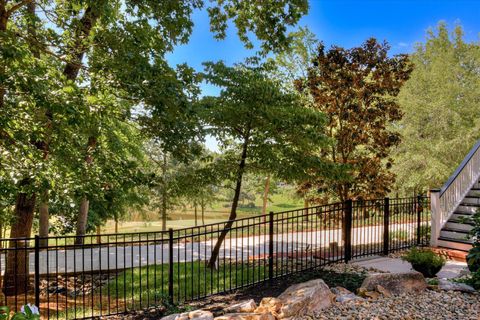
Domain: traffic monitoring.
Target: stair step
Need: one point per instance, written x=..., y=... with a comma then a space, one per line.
x=467, y=208
x=452, y=254
x=468, y=200
x=464, y=241
x=460, y=222
x=464, y=214
x=454, y=234
x=473, y=193
x=457, y=226
x=455, y=244
x=456, y=229
x=475, y=205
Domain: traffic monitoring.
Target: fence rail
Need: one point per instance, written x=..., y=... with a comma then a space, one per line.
x=117, y=273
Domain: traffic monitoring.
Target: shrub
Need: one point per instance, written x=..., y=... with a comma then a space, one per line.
x=425, y=261
x=474, y=281
x=28, y=312
x=473, y=259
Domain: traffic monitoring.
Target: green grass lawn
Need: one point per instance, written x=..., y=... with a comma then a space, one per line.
x=218, y=212
x=145, y=287
x=149, y=285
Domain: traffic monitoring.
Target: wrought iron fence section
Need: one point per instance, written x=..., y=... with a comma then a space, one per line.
x=99, y=275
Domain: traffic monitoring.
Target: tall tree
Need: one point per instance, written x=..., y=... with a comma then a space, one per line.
x=440, y=102
x=44, y=88
x=356, y=89
x=260, y=128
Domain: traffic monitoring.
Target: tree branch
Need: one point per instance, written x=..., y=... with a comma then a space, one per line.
x=17, y=6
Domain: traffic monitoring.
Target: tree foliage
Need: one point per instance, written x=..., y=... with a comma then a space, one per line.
x=356, y=89
x=441, y=105
x=73, y=72
x=261, y=128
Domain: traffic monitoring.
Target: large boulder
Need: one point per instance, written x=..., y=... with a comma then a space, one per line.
x=395, y=283
x=176, y=316
x=246, y=316
x=244, y=306
x=196, y=314
x=305, y=299
x=446, y=285
x=343, y=295
x=269, y=304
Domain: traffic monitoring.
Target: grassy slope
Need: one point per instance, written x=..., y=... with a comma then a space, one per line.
x=217, y=213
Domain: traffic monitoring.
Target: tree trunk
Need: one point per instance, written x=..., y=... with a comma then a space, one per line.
x=43, y=220
x=202, y=206
x=99, y=234
x=85, y=203
x=265, y=195
x=306, y=204
x=15, y=280
x=164, y=193
x=233, y=213
x=3, y=28
x=116, y=225
x=195, y=208
x=77, y=51
x=82, y=220
x=16, y=277
x=25, y=205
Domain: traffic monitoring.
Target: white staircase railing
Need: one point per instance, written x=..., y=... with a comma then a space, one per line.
x=444, y=201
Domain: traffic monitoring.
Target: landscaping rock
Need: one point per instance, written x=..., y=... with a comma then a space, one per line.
x=342, y=295
x=244, y=306
x=443, y=305
x=395, y=283
x=269, y=304
x=446, y=285
x=176, y=316
x=200, y=315
x=384, y=291
x=246, y=316
x=364, y=293
x=305, y=299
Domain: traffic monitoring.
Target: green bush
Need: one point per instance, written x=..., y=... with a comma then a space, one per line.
x=474, y=281
x=425, y=261
x=473, y=259
x=28, y=312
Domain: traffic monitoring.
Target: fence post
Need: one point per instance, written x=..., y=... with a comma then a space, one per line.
x=170, y=265
x=436, y=216
x=270, y=246
x=419, y=209
x=386, y=226
x=348, y=230
x=37, y=271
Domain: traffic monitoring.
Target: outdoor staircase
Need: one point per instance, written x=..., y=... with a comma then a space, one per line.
x=455, y=233
x=455, y=203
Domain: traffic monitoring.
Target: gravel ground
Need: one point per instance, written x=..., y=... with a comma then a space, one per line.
x=430, y=305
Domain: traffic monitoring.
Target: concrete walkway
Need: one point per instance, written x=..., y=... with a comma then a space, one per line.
x=452, y=269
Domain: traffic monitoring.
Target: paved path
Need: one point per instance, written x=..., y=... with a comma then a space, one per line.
x=452, y=269
x=106, y=258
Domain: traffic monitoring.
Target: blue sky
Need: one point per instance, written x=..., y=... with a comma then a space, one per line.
x=345, y=23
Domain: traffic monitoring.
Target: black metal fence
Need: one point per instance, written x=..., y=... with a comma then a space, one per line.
x=117, y=273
